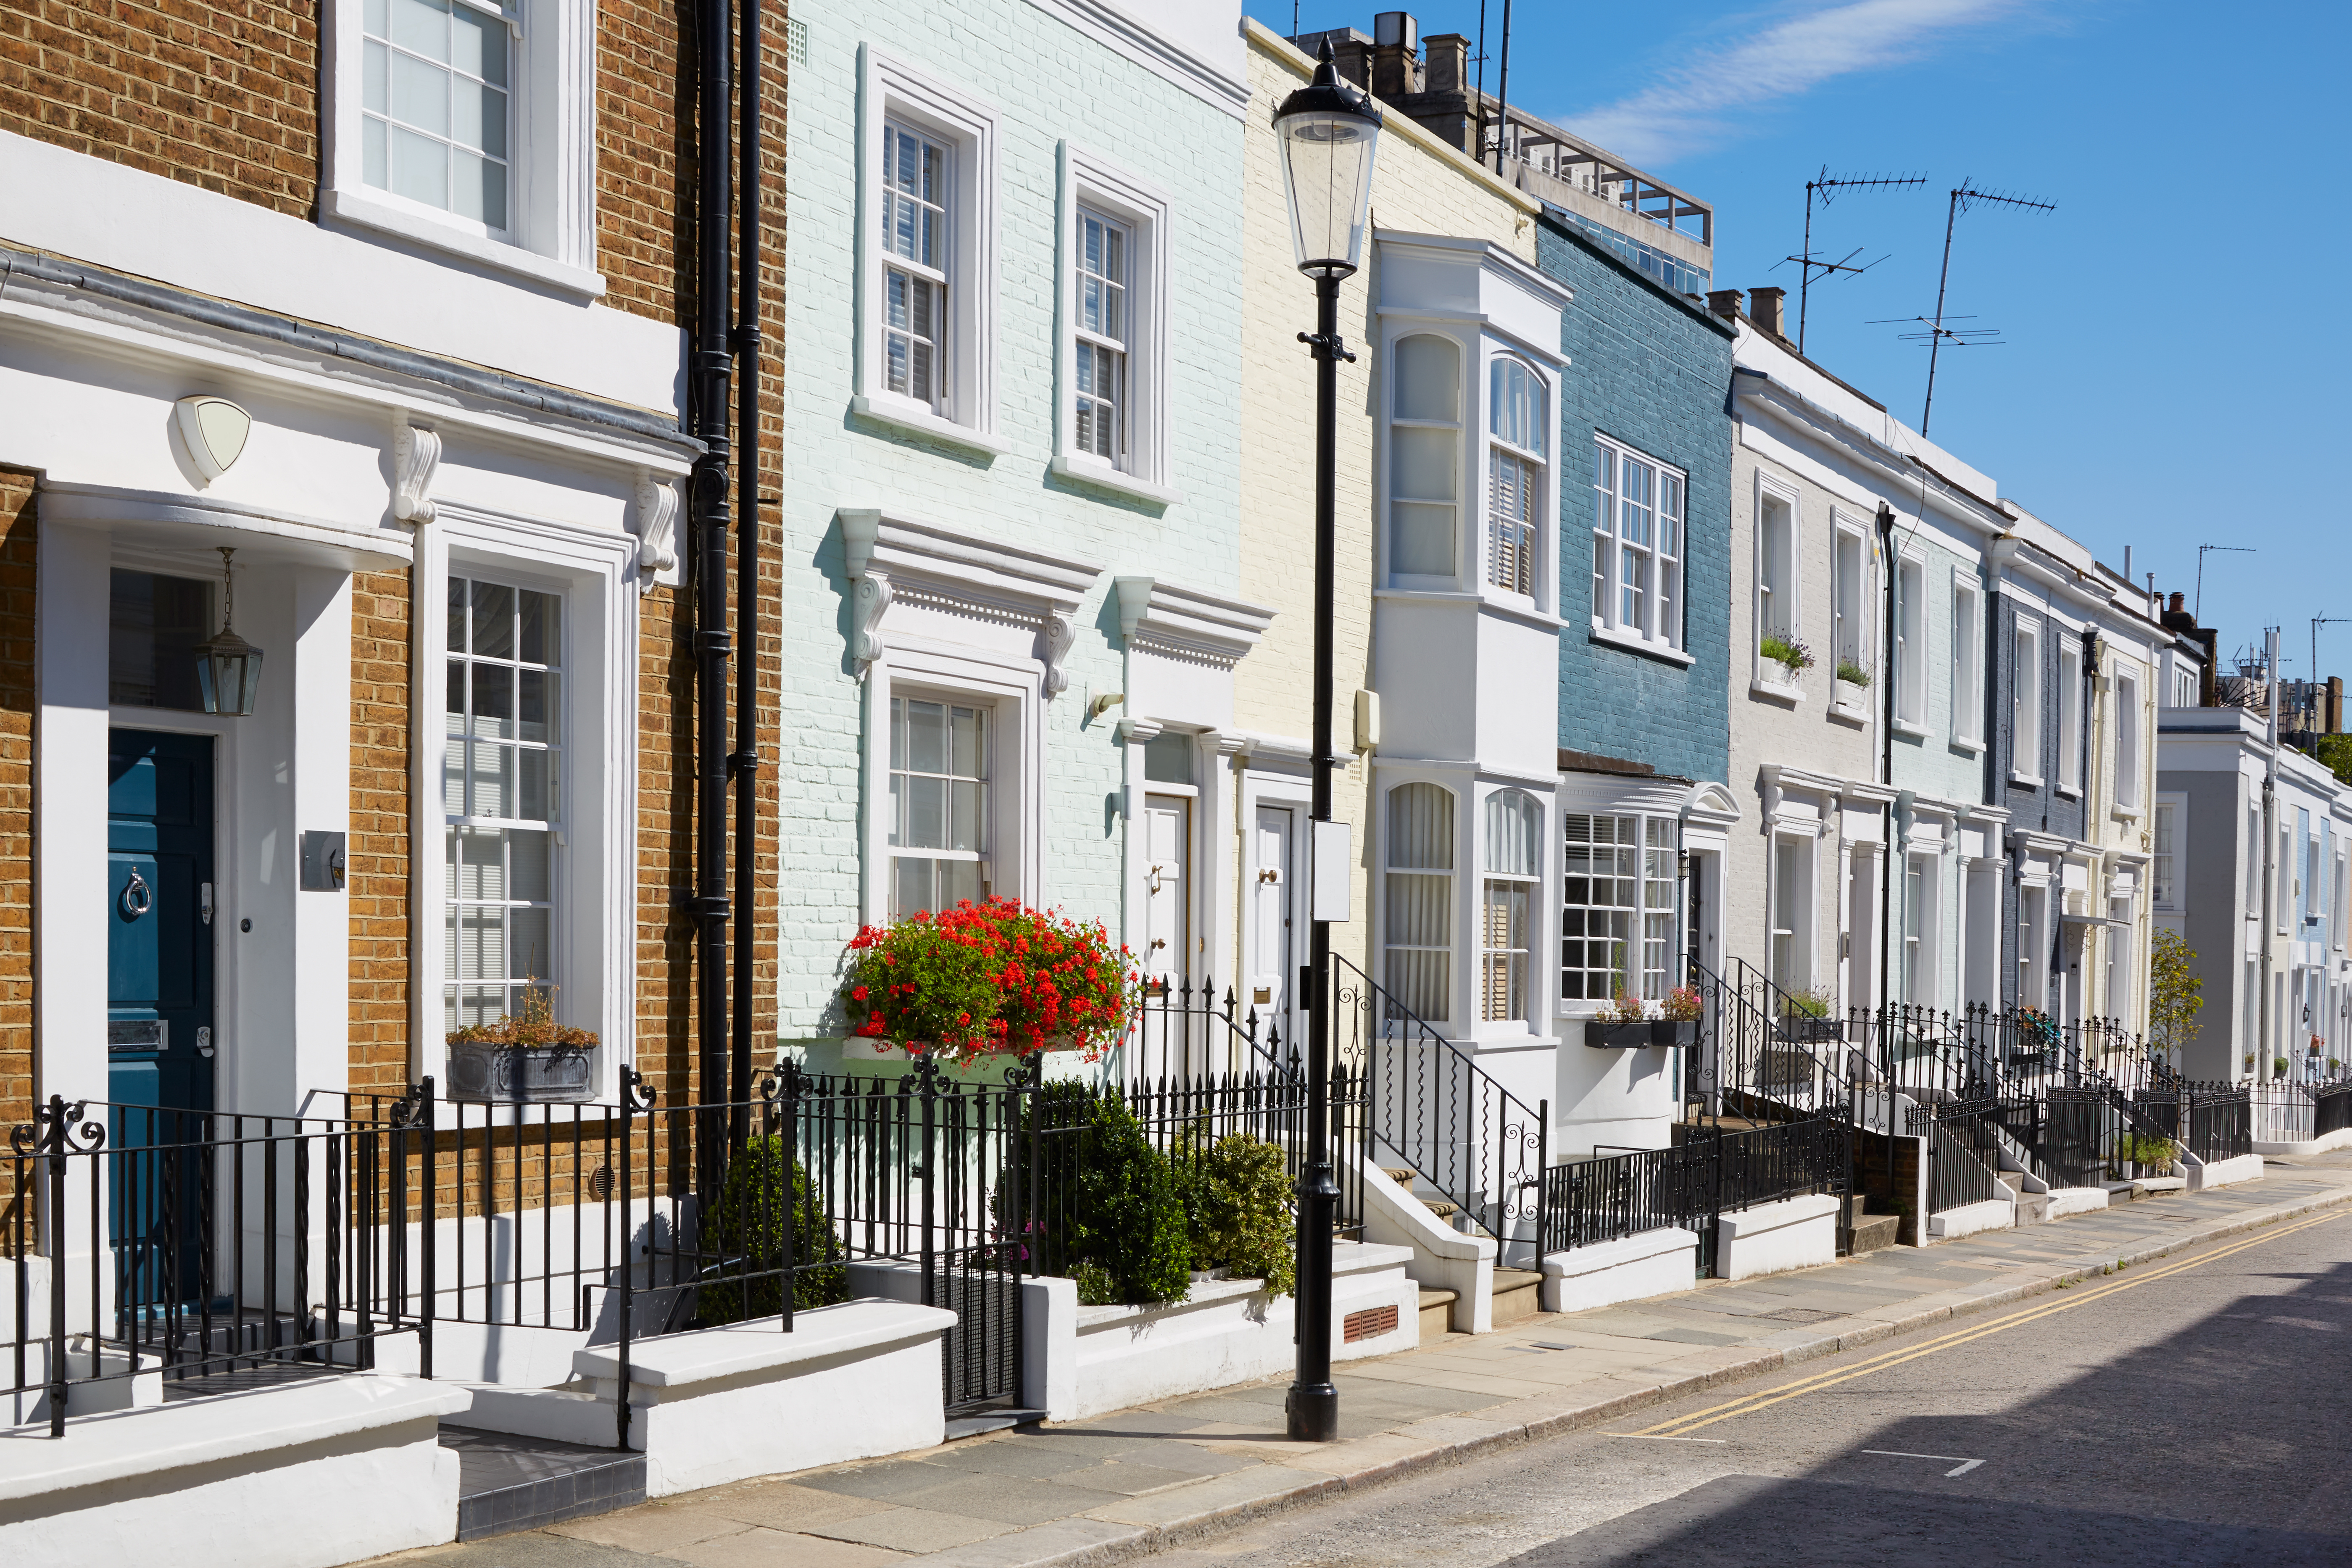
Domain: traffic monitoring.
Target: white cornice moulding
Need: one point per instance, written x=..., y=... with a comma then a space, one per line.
x=1711, y=804
x=1202, y=628
x=160, y=517
x=886, y=555
x=1164, y=57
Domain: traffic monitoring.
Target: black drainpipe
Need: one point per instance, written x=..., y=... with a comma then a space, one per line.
x=713, y=371
x=746, y=758
x=1887, y=677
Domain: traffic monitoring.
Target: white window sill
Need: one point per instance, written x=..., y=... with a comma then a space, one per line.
x=1774, y=691
x=1858, y=712
x=365, y=211
x=2068, y=791
x=1102, y=476
x=1519, y=606
x=2125, y=813
x=918, y=421
x=1962, y=743
x=2030, y=781
x=1632, y=644
x=1905, y=727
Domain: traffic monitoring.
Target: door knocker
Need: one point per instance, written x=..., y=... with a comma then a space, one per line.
x=136, y=898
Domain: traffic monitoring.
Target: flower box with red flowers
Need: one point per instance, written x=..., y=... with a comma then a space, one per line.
x=989, y=979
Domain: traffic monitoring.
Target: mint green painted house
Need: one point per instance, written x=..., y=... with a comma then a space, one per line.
x=1011, y=497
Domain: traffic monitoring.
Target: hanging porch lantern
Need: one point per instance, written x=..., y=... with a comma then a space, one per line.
x=228, y=667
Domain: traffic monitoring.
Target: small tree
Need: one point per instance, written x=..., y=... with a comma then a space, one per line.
x=2175, y=995
x=2335, y=754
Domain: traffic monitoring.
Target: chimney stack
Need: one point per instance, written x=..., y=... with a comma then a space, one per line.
x=1396, y=55
x=1445, y=63
x=2332, y=716
x=1723, y=302
x=1764, y=310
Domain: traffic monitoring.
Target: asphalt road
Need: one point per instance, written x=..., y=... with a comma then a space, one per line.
x=2193, y=1410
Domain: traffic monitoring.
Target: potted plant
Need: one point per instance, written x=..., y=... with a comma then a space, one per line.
x=986, y=980
x=1788, y=652
x=1625, y=1022
x=1853, y=680
x=532, y=1059
x=2278, y=1066
x=1810, y=1016
x=1678, y=1017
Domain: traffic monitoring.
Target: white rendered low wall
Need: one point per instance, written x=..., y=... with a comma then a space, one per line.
x=1993, y=1214
x=850, y=1382
x=307, y=1475
x=1654, y=1263
x=2222, y=1172
x=1795, y=1233
x=1442, y=1259
x=2326, y=1142
x=1083, y=1360
x=2064, y=1201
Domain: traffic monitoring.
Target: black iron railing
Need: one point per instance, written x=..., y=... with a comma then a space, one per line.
x=1960, y=1159
x=1180, y=1027
x=1693, y=1184
x=1435, y=1109
x=2331, y=1109
x=1764, y=1056
x=180, y=1244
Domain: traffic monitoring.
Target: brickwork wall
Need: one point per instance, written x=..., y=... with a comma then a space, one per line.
x=377, y=858
x=18, y=541
x=1653, y=372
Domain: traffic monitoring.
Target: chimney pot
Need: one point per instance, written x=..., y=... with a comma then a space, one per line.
x=1764, y=310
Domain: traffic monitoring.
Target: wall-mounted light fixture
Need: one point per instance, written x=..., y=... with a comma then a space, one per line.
x=214, y=430
x=228, y=667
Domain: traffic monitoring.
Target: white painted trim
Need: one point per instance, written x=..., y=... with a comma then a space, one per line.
x=1078, y=469
x=1089, y=179
x=1013, y=690
x=159, y=517
x=1187, y=622
x=886, y=408
x=551, y=168
x=1112, y=27
x=1657, y=650
x=890, y=87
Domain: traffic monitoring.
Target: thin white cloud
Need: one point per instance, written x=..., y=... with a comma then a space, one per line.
x=1705, y=102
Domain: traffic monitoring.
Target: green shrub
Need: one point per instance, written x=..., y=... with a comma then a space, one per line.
x=1116, y=1213
x=2152, y=1155
x=1242, y=1220
x=765, y=1191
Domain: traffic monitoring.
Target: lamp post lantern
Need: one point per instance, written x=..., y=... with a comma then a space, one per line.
x=228, y=667
x=1329, y=132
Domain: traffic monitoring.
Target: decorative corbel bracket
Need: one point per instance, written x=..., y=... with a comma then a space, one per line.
x=415, y=456
x=886, y=557
x=654, y=518
x=1061, y=635
x=870, y=598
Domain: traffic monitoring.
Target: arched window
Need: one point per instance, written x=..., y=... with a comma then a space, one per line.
x=1417, y=923
x=1514, y=846
x=1424, y=456
x=1515, y=475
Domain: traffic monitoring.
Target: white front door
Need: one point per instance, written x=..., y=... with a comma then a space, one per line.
x=1166, y=849
x=1273, y=960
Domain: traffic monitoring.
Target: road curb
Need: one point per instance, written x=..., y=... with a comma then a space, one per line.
x=1150, y=1538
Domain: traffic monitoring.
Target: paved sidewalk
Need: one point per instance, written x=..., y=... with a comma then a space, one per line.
x=1120, y=1486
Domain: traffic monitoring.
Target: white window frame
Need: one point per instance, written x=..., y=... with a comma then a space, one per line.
x=1143, y=471
x=983, y=856
x=892, y=91
x=1772, y=618
x=595, y=572
x=1804, y=925
x=1910, y=644
x=2025, y=702
x=1450, y=986
x=1968, y=661
x=2167, y=859
x=1015, y=814
x=1537, y=553
x=1850, y=618
x=1636, y=973
x=1922, y=927
x=2069, y=712
x=1527, y=955
x=550, y=234
x=2129, y=760
x=1467, y=400
x=1657, y=631
x=2033, y=904
x=2120, y=946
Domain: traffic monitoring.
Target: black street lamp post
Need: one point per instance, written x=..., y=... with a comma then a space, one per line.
x=1329, y=131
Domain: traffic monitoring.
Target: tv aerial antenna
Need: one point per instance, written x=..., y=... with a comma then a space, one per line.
x=1965, y=195
x=2198, y=615
x=1827, y=186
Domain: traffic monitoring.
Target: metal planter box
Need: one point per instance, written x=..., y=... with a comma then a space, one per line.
x=1674, y=1032
x=1804, y=1026
x=1618, y=1037
x=531, y=1075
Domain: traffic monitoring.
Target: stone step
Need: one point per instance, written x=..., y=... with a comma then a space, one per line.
x=1443, y=1208
x=1436, y=1313
x=1874, y=1232
x=1518, y=1295
x=508, y=1483
x=1401, y=1175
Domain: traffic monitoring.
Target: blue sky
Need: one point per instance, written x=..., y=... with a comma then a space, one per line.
x=2164, y=380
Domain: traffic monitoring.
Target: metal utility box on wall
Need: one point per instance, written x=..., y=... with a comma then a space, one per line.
x=322, y=862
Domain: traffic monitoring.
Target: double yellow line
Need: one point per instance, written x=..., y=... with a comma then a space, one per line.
x=1682, y=1425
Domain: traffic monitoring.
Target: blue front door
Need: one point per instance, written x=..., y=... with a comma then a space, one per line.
x=159, y=997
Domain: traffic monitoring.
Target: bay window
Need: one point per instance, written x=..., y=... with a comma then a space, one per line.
x=1513, y=856
x=1424, y=459
x=1637, y=546
x=1515, y=476
x=1617, y=906
x=1417, y=925
x=501, y=786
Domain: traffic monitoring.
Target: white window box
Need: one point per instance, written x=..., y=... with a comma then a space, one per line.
x=1081, y=469
x=1644, y=646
